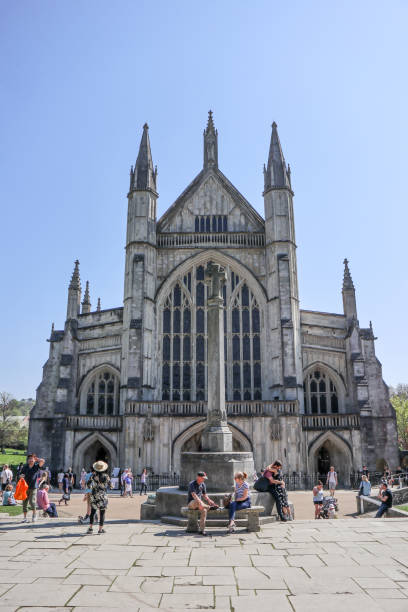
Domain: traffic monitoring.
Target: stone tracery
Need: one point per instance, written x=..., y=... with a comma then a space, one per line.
x=184, y=339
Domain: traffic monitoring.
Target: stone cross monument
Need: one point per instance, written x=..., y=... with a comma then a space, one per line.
x=216, y=456
x=217, y=436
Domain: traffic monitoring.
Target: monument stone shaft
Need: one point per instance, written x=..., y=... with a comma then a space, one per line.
x=217, y=436
x=216, y=456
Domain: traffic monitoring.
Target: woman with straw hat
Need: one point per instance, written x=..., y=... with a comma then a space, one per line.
x=98, y=483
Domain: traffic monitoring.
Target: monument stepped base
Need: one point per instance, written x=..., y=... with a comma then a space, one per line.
x=169, y=500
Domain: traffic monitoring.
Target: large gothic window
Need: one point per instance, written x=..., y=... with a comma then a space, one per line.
x=184, y=340
x=320, y=393
x=102, y=397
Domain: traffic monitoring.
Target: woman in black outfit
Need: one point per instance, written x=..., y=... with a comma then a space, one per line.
x=277, y=489
x=98, y=483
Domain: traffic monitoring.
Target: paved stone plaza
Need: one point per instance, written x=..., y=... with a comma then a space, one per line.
x=345, y=565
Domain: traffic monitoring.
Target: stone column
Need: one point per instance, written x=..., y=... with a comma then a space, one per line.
x=217, y=436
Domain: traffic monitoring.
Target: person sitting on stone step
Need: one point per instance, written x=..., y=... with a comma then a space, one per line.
x=197, y=491
x=242, y=498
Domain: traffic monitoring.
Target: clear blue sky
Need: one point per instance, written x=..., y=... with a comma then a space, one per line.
x=78, y=81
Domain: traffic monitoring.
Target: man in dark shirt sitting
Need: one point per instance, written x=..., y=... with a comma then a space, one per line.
x=197, y=491
x=386, y=500
x=30, y=473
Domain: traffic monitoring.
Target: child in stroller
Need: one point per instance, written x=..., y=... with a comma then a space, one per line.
x=329, y=507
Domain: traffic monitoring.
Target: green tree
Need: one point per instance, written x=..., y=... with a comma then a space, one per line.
x=399, y=400
x=7, y=423
x=19, y=437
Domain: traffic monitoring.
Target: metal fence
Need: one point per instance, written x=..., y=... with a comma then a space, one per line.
x=155, y=481
x=299, y=482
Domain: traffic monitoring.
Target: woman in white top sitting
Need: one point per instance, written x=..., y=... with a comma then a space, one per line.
x=242, y=498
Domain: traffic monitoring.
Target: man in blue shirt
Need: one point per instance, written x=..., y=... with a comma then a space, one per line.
x=197, y=491
x=31, y=472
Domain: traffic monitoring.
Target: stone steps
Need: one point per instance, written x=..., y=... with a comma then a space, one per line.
x=181, y=521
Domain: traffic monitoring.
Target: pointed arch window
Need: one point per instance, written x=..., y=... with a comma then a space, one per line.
x=320, y=392
x=102, y=396
x=184, y=339
x=211, y=223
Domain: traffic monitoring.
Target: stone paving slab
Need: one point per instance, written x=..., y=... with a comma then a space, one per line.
x=301, y=566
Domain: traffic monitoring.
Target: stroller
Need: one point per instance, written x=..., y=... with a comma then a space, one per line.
x=329, y=508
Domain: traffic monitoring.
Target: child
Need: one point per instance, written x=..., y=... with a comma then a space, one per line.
x=318, y=498
x=87, y=498
x=8, y=497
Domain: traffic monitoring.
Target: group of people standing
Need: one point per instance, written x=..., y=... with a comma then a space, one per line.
x=127, y=479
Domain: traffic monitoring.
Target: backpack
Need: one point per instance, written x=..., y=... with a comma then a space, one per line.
x=262, y=484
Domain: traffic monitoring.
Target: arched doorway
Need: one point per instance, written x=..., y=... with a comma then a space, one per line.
x=380, y=465
x=323, y=461
x=96, y=452
x=331, y=449
x=94, y=447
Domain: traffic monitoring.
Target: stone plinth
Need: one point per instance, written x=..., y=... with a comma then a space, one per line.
x=220, y=468
x=217, y=439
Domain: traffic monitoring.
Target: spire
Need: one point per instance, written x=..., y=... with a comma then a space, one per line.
x=276, y=174
x=98, y=308
x=349, y=295
x=86, y=303
x=143, y=176
x=74, y=294
x=347, y=280
x=75, y=280
x=210, y=144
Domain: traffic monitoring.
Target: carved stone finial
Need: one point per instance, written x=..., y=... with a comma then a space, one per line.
x=347, y=280
x=98, y=307
x=75, y=280
x=276, y=174
x=210, y=143
x=143, y=176
x=86, y=302
x=87, y=298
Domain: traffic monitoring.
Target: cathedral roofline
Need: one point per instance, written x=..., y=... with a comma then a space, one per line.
x=321, y=312
x=195, y=184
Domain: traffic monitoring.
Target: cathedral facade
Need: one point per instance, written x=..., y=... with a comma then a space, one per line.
x=129, y=384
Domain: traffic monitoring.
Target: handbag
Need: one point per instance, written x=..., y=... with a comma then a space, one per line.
x=227, y=500
x=262, y=484
x=66, y=496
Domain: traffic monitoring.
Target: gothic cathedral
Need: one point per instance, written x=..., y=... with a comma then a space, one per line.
x=129, y=384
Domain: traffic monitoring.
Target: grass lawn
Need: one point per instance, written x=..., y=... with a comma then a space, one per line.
x=13, y=457
x=405, y=507
x=12, y=510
